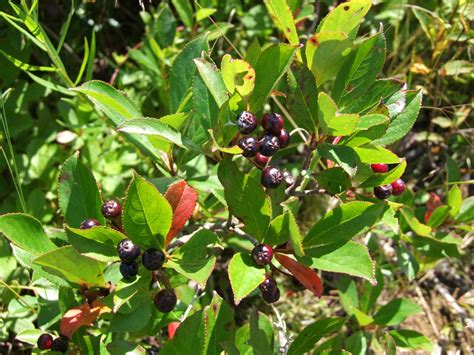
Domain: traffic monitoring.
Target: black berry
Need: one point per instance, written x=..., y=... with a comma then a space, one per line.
x=383, y=192
x=153, y=259
x=379, y=168
x=398, y=187
x=249, y=146
x=269, y=145
x=246, y=122
x=261, y=160
x=128, y=269
x=269, y=290
x=289, y=180
x=89, y=223
x=111, y=209
x=262, y=254
x=127, y=251
x=284, y=138
x=271, y=177
x=45, y=341
x=165, y=300
x=60, y=344
x=273, y=123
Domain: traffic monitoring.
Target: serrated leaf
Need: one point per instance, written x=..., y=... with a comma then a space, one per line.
x=78, y=195
x=378, y=179
x=331, y=121
x=283, y=19
x=67, y=263
x=334, y=180
x=373, y=154
x=411, y=339
x=342, y=155
x=244, y=276
x=307, y=276
x=132, y=322
x=211, y=75
x=147, y=214
x=348, y=258
x=368, y=121
x=165, y=26
x=346, y=17
x=245, y=198
x=25, y=232
x=127, y=289
x=395, y=312
x=415, y=225
x=238, y=75
x=182, y=342
x=278, y=231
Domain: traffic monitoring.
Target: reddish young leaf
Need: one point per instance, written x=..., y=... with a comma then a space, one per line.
x=172, y=327
x=307, y=276
x=76, y=317
x=182, y=199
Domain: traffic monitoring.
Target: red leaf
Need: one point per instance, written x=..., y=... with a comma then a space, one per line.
x=307, y=276
x=76, y=317
x=182, y=199
x=172, y=327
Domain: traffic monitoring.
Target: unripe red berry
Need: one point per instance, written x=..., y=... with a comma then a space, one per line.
x=89, y=223
x=269, y=290
x=261, y=160
x=246, y=122
x=284, y=138
x=383, y=192
x=398, y=187
x=165, y=300
x=271, y=177
x=111, y=209
x=269, y=145
x=379, y=168
x=249, y=146
x=45, y=341
x=262, y=254
x=272, y=123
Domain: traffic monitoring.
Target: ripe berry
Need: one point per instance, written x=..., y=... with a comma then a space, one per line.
x=261, y=160
x=269, y=290
x=246, y=122
x=249, y=145
x=165, y=300
x=262, y=254
x=153, y=259
x=111, y=209
x=269, y=145
x=60, y=344
x=383, y=192
x=45, y=341
x=127, y=251
x=89, y=223
x=398, y=187
x=379, y=168
x=128, y=269
x=271, y=177
x=289, y=180
x=284, y=138
x=272, y=122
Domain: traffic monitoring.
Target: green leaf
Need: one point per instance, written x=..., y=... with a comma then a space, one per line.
x=25, y=66
x=238, y=75
x=361, y=70
x=454, y=200
x=344, y=156
x=78, y=195
x=348, y=258
x=333, y=123
x=185, y=11
x=373, y=154
x=411, y=339
x=183, y=69
x=326, y=52
x=466, y=212
x=346, y=17
x=126, y=289
x=67, y=263
x=261, y=334
x=311, y=334
x=296, y=238
x=283, y=19
x=271, y=65
x=189, y=337
x=278, y=231
x=165, y=26
x=343, y=223
x=25, y=232
x=211, y=75
x=134, y=321
x=402, y=123
x=356, y=344
x=246, y=198
x=368, y=121
x=415, y=225
x=334, y=180
x=192, y=261
x=203, y=13
x=147, y=214
x=438, y=216
x=244, y=275
x=378, y=179
x=395, y=312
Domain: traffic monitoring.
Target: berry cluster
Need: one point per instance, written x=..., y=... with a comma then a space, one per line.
x=396, y=188
x=261, y=149
x=46, y=342
x=262, y=255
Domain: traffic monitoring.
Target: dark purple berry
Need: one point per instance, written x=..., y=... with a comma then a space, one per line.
x=165, y=300
x=129, y=269
x=398, y=187
x=261, y=160
x=249, y=146
x=383, y=192
x=284, y=138
x=60, y=344
x=89, y=223
x=45, y=341
x=273, y=123
x=269, y=290
x=111, y=209
x=246, y=122
x=262, y=254
x=379, y=168
x=271, y=177
x=153, y=259
x=127, y=251
x=289, y=180
x=269, y=145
